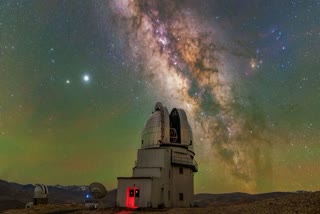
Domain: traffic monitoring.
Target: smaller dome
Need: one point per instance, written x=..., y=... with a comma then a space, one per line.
x=40, y=191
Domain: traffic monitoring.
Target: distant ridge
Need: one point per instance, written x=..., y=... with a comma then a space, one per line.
x=14, y=195
x=208, y=199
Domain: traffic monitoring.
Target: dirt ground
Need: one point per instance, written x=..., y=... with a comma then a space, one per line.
x=295, y=203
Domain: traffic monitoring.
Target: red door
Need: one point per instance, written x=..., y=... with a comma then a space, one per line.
x=132, y=197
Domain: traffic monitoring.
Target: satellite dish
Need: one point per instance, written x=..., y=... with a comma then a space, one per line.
x=29, y=204
x=97, y=190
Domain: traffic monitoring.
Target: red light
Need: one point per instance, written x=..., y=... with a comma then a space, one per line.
x=132, y=197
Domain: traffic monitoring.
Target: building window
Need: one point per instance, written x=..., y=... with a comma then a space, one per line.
x=137, y=195
x=180, y=170
x=131, y=193
x=181, y=196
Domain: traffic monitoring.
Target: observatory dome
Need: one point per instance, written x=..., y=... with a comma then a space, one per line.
x=40, y=191
x=164, y=128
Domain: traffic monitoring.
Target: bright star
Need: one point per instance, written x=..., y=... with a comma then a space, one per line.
x=86, y=78
x=68, y=81
x=253, y=63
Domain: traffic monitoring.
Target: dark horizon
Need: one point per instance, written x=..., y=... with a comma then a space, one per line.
x=196, y=193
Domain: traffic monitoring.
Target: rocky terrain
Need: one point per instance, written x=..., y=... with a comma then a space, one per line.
x=70, y=200
x=291, y=203
x=13, y=195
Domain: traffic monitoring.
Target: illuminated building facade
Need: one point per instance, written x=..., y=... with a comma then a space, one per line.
x=163, y=173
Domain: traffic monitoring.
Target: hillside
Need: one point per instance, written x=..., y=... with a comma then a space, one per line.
x=69, y=199
x=13, y=195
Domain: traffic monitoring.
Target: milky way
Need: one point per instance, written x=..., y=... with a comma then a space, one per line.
x=79, y=79
x=183, y=58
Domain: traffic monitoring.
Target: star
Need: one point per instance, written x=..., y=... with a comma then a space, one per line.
x=86, y=78
x=247, y=80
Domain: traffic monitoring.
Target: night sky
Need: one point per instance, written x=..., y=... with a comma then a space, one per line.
x=79, y=79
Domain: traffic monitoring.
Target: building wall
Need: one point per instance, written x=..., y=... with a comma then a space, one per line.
x=182, y=177
x=167, y=180
x=40, y=201
x=155, y=163
x=181, y=183
x=182, y=151
x=147, y=172
x=151, y=158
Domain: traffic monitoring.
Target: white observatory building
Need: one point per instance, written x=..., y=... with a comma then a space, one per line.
x=40, y=194
x=163, y=173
